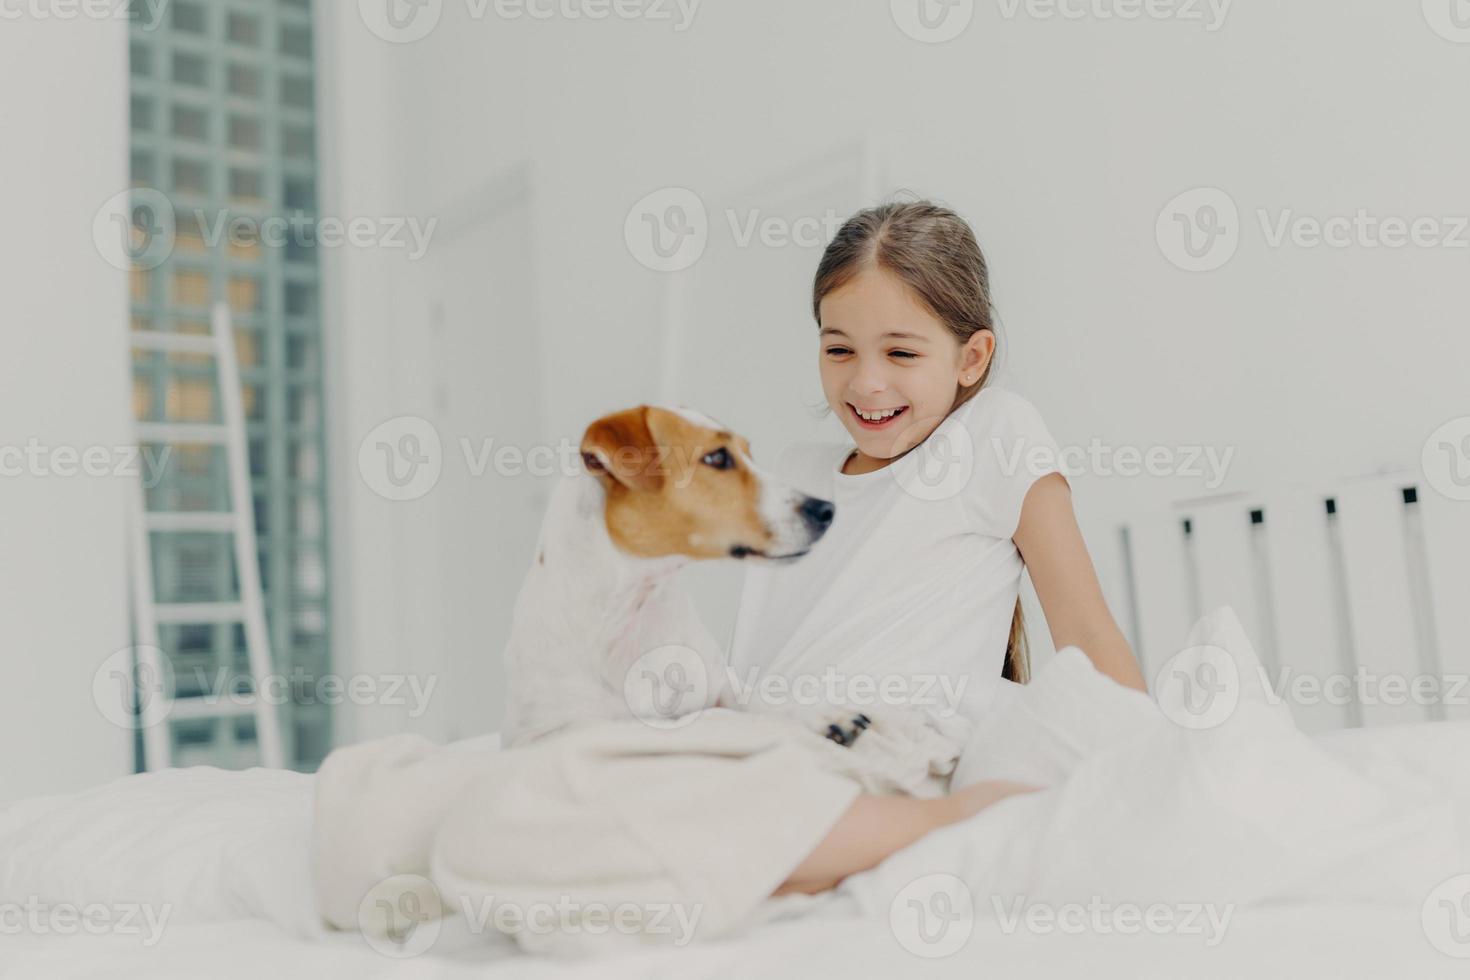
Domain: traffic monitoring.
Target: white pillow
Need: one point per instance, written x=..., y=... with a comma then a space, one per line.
x=1037, y=733
x=198, y=844
x=477, y=743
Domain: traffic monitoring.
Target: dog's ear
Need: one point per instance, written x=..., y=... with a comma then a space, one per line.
x=620, y=449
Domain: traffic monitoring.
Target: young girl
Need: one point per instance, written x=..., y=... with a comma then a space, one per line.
x=940, y=503
x=949, y=490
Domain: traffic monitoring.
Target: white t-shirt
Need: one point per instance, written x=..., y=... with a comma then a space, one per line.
x=909, y=596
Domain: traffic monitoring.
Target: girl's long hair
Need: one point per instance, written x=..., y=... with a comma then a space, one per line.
x=934, y=252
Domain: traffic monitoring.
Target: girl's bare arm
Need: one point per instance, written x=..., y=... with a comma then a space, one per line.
x=1056, y=557
x=876, y=826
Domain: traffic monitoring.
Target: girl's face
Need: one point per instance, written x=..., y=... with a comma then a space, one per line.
x=890, y=368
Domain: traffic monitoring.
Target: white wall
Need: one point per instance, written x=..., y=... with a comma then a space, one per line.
x=1061, y=140
x=64, y=384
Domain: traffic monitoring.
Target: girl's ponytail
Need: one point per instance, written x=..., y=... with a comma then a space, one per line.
x=1018, y=653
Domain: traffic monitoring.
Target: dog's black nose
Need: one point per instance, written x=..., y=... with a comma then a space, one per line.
x=817, y=513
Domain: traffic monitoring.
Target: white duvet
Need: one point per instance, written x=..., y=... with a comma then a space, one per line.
x=1144, y=812
x=1140, y=813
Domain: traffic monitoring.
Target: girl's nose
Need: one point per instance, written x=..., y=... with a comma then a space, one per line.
x=869, y=381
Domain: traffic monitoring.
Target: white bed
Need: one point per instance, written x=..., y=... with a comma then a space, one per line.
x=1349, y=939
x=1321, y=594
x=1378, y=584
x=1320, y=941
x=238, y=888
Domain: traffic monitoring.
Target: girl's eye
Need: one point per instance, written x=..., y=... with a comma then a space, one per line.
x=838, y=350
x=719, y=459
x=903, y=353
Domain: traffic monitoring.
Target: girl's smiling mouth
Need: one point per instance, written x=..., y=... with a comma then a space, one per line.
x=876, y=420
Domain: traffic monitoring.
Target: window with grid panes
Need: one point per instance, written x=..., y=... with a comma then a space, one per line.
x=223, y=124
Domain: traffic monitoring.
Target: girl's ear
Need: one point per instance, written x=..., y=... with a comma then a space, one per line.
x=976, y=354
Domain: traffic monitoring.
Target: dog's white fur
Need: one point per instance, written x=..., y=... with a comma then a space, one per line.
x=588, y=612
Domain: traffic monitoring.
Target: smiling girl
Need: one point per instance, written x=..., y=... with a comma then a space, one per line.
x=948, y=490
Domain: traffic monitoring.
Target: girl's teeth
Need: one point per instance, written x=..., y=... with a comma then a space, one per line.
x=878, y=416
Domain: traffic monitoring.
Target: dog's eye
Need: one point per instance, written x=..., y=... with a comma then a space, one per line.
x=719, y=459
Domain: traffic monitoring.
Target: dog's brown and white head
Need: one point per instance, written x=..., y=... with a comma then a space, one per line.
x=679, y=483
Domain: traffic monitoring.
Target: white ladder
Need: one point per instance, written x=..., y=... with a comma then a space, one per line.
x=238, y=521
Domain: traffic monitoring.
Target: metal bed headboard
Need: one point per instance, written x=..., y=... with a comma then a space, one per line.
x=1356, y=595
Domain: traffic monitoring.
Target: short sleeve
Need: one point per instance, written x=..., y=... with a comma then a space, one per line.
x=1013, y=449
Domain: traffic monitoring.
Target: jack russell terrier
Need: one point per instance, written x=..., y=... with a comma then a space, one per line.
x=662, y=487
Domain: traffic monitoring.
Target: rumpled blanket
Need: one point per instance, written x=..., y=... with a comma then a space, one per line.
x=685, y=832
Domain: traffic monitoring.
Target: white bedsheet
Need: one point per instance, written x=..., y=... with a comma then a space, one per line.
x=1244, y=811
x=1342, y=941
x=1325, y=851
